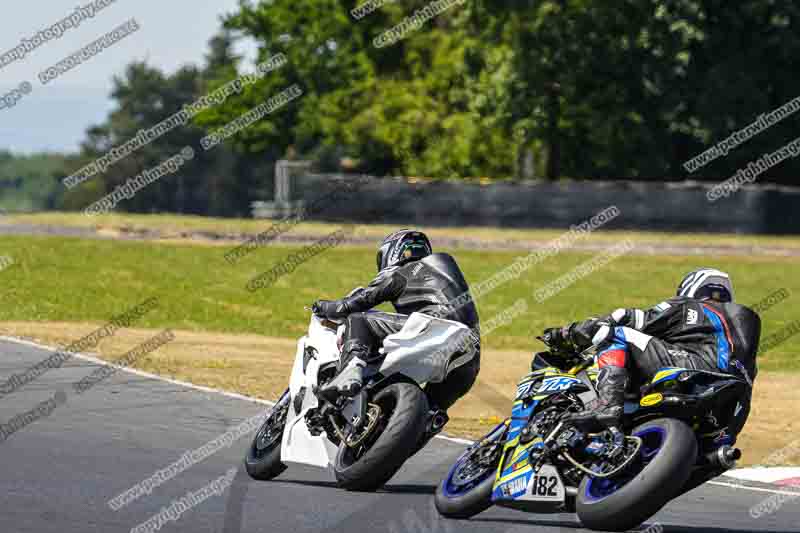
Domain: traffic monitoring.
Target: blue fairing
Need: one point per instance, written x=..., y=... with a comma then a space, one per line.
x=519, y=417
x=512, y=489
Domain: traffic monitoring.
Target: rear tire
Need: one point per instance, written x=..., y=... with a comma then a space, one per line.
x=661, y=479
x=263, y=458
x=406, y=407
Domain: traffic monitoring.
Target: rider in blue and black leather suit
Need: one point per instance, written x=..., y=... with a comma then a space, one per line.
x=700, y=328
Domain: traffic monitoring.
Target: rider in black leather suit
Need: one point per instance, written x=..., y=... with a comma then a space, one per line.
x=415, y=280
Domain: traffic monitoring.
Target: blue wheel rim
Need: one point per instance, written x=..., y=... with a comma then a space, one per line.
x=652, y=439
x=451, y=488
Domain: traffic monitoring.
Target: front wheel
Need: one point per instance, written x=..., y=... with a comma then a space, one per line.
x=467, y=489
x=401, y=423
x=263, y=458
x=620, y=503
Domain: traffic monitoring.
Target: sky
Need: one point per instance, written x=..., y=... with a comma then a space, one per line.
x=55, y=116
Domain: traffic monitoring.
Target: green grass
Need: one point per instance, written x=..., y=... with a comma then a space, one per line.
x=60, y=279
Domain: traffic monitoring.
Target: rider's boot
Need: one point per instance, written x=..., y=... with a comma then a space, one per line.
x=350, y=379
x=605, y=412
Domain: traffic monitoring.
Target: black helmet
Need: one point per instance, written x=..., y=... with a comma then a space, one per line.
x=401, y=247
x=707, y=283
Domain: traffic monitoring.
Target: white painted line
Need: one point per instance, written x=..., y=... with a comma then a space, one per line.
x=755, y=489
x=456, y=440
x=144, y=374
x=766, y=474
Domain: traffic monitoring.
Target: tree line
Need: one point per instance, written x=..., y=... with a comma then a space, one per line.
x=485, y=89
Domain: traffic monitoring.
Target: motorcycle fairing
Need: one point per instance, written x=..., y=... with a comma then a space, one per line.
x=543, y=486
x=666, y=374
x=516, y=480
x=552, y=385
x=549, y=380
x=298, y=445
x=708, y=401
x=520, y=483
x=423, y=350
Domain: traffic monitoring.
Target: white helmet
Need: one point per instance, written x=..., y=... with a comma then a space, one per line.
x=707, y=283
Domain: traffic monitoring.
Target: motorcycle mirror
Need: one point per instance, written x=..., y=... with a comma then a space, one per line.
x=543, y=341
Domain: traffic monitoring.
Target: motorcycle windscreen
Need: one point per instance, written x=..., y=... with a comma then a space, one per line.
x=427, y=348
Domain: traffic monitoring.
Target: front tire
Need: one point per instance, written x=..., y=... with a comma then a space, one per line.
x=404, y=409
x=467, y=489
x=263, y=458
x=669, y=451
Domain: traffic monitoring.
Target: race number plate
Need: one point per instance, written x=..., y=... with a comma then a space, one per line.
x=545, y=486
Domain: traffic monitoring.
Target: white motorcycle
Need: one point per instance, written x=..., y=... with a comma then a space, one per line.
x=367, y=438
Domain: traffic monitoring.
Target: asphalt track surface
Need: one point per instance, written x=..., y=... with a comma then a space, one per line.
x=57, y=473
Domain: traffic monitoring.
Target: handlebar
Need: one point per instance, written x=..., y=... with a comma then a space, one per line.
x=570, y=357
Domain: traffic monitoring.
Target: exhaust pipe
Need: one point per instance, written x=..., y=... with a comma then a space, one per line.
x=438, y=420
x=724, y=457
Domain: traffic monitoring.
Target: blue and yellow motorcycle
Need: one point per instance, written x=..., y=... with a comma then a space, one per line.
x=678, y=433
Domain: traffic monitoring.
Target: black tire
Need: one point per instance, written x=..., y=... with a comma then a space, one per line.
x=651, y=488
x=404, y=412
x=465, y=505
x=478, y=498
x=569, y=504
x=264, y=462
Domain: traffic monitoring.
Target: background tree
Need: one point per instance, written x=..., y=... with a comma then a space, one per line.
x=492, y=89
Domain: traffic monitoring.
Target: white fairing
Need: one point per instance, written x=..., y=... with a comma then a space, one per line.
x=298, y=445
x=420, y=351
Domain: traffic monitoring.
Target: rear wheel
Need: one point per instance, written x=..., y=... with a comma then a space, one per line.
x=467, y=489
x=620, y=503
x=263, y=458
x=401, y=423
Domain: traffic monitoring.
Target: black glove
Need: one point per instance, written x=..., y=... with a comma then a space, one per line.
x=582, y=334
x=556, y=338
x=329, y=309
x=323, y=308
